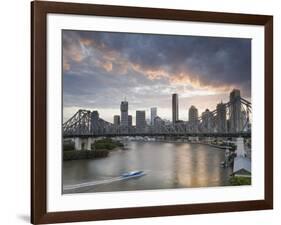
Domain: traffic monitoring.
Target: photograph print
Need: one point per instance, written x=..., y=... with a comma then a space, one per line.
x=154, y=111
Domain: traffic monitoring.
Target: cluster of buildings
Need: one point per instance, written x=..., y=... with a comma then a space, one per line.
x=209, y=121
x=225, y=118
x=126, y=120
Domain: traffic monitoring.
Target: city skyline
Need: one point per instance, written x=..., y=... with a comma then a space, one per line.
x=101, y=69
x=125, y=119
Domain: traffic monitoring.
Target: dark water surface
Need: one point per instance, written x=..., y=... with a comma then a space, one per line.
x=167, y=165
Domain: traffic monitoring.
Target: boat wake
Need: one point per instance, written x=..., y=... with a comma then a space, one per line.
x=94, y=183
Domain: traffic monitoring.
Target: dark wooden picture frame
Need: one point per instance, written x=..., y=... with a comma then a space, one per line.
x=40, y=9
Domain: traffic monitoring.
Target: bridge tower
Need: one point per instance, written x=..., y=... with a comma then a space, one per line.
x=235, y=111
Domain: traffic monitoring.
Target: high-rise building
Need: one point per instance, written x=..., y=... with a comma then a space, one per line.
x=124, y=113
x=193, y=114
x=193, y=118
x=158, y=122
x=148, y=121
x=116, y=120
x=221, y=118
x=130, y=120
x=207, y=121
x=140, y=120
x=235, y=111
x=153, y=114
x=175, y=108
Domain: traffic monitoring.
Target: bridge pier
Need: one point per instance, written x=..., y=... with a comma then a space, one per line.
x=77, y=144
x=240, y=150
x=83, y=143
x=209, y=140
x=89, y=143
x=193, y=139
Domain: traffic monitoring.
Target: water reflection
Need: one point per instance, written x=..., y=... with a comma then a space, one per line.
x=168, y=165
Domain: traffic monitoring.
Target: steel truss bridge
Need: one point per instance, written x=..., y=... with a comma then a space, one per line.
x=231, y=119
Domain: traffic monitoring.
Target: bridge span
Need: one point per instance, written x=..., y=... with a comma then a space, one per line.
x=179, y=135
x=229, y=120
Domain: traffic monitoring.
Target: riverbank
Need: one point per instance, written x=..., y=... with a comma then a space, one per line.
x=84, y=154
x=107, y=143
x=238, y=181
x=224, y=147
x=99, y=149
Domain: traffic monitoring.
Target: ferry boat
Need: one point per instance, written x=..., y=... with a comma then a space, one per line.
x=136, y=173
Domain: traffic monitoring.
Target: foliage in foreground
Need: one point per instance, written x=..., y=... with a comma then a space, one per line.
x=103, y=144
x=235, y=181
x=68, y=146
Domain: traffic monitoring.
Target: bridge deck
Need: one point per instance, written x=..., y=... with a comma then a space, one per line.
x=242, y=134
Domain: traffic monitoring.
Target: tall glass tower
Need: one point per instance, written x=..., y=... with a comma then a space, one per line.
x=140, y=120
x=175, y=108
x=221, y=118
x=193, y=114
x=124, y=113
x=153, y=115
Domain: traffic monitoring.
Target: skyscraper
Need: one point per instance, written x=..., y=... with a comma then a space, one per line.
x=193, y=114
x=116, y=120
x=235, y=111
x=158, y=121
x=130, y=120
x=124, y=113
x=175, y=108
x=153, y=114
x=207, y=121
x=140, y=120
x=221, y=118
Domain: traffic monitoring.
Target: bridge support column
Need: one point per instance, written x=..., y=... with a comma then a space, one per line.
x=240, y=151
x=90, y=141
x=193, y=139
x=209, y=140
x=83, y=143
x=77, y=144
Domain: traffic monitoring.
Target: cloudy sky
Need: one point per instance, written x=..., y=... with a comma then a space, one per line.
x=100, y=69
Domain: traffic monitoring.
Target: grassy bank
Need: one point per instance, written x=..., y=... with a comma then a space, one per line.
x=103, y=144
x=235, y=181
x=106, y=143
x=84, y=154
x=100, y=149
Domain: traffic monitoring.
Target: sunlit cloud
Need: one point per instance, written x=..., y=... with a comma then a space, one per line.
x=200, y=87
x=102, y=68
x=66, y=65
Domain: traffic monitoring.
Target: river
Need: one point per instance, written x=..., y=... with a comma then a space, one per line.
x=167, y=166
